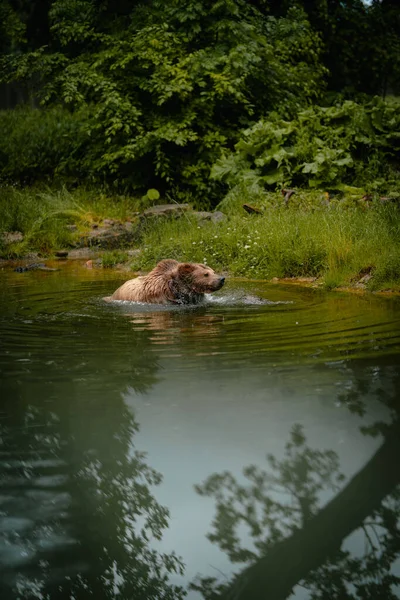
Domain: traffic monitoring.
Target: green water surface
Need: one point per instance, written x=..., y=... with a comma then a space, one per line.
x=98, y=401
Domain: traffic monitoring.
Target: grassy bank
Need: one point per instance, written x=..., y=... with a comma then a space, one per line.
x=339, y=242
x=339, y=245
x=52, y=219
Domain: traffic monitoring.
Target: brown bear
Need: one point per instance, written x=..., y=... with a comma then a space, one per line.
x=171, y=282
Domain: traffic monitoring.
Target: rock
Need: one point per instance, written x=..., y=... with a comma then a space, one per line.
x=108, y=222
x=82, y=253
x=11, y=237
x=165, y=210
x=305, y=279
x=34, y=267
x=218, y=216
x=202, y=215
x=31, y=267
x=365, y=279
x=214, y=217
x=31, y=256
x=134, y=252
x=109, y=236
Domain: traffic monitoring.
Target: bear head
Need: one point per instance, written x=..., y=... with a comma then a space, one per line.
x=199, y=278
x=188, y=282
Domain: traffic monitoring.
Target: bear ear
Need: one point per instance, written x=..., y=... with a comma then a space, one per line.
x=185, y=269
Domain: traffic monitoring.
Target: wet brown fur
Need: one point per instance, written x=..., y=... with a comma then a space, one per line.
x=171, y=282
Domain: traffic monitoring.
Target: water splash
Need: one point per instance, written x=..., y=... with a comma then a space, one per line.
x=241, y=298
x=234, y=298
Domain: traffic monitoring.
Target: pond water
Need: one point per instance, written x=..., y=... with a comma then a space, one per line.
x=98, y=399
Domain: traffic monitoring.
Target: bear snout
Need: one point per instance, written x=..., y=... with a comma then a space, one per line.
x=220, y=283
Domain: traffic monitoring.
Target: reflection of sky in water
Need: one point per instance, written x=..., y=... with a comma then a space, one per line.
x=225, y=421
x=213, y=388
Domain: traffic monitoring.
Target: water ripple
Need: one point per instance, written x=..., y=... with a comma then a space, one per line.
x=269, y=323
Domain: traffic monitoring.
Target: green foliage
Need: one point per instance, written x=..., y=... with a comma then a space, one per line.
x=153, y=93
x=361, y=42
x=383, y=56
x=321, y=147
x=172, y=85
x=336, y=278
x=153, y=194
x=149, y=199
x=37, y=144
x=11, y=27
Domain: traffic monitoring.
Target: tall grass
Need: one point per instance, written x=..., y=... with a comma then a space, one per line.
x=338, y=244
x=43, y=215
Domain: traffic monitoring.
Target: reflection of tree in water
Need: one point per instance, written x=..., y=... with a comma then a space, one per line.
x=78, y=515
x=294, y=541
x=76, y=496
x=85, y=524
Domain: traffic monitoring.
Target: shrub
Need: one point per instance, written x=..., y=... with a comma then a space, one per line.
x=40, y=144
x=323, y=147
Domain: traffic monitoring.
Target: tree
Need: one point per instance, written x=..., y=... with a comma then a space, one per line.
x=167, y=85
x=384, y=54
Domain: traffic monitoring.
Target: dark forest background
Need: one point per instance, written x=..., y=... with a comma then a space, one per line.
x=184, y=95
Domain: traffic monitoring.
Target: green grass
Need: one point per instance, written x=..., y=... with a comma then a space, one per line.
x=43, y=216
x=113, y=258
x=337, y=243
x=335, y=278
